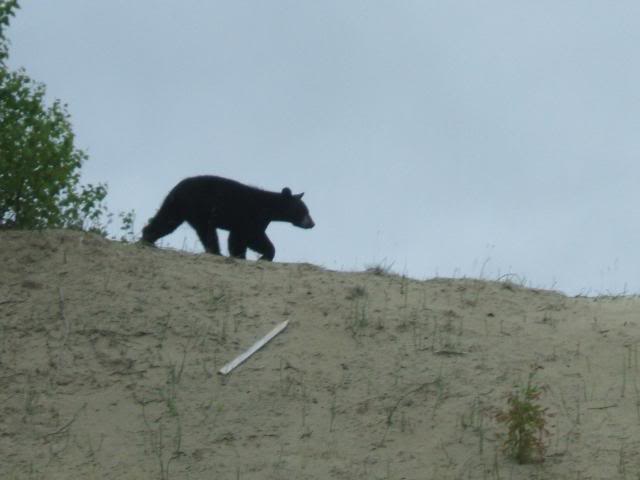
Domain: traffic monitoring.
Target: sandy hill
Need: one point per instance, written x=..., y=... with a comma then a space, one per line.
x=109, y=355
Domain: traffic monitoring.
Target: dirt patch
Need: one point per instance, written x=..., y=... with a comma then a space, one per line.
x=109, y=355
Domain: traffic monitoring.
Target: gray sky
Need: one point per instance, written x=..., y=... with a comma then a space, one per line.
x=443, y=138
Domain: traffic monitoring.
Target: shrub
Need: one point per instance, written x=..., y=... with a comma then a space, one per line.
x=526, y=424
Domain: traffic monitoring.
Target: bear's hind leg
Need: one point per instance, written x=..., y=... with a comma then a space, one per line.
x=263, y=245
x=237, y=245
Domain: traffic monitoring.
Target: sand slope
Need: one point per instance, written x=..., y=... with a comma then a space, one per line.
x=109, y=353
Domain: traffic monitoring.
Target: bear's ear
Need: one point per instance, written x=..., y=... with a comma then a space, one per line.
x=286, y=191
x=299, y=196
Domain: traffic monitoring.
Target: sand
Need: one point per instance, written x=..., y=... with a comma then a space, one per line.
x=109, y=355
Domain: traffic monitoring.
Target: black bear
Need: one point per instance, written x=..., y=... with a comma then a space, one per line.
x=207, y=203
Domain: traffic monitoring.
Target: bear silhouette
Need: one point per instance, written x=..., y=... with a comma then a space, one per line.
x=207, y=203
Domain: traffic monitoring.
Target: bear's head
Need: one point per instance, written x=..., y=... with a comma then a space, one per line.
x=296, y=211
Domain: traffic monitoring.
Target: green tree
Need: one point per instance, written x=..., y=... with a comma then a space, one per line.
x=39, y=163
x=7, y=10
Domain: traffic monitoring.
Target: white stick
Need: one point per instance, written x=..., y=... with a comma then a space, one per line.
x=254, y=348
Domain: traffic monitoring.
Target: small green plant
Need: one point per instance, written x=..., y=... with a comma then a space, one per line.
x=526, y=423
x=127, y=223
x=359, y=317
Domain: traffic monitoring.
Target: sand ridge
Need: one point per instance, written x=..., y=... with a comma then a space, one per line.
x=109, y=353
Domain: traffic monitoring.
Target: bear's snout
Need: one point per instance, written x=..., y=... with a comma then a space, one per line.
x=307, y=222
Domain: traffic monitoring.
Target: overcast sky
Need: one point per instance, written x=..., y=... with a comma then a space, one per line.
x=444, y=138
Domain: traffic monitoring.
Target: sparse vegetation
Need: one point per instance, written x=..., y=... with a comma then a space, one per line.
x=127, y=226
x=356, y=292
x=380, y=269
x=359, y=319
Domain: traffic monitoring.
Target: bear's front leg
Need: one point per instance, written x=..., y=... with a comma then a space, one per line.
x=263, y=245
x=237, y=245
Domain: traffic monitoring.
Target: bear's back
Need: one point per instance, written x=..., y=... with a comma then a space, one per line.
x=229, y=200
